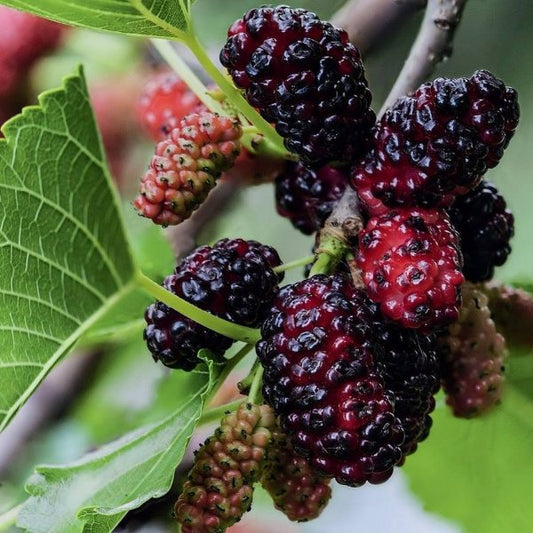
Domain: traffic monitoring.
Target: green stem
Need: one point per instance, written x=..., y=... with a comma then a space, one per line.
x=294, y=264
x=330, y=251
x=230, y=366
x=235, y=97
x=255, y=390
x=9, y=518
x=169, y=53
x=215, y=414
x=206, y=319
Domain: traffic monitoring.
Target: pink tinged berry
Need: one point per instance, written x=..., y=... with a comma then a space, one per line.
x=166, y=99
x=473, y=356
x=219, y=488
x=411, y=265
x=186, y=165
x=295, y=487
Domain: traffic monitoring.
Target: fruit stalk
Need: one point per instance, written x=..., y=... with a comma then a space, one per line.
x=235, y=98
x=215, y=323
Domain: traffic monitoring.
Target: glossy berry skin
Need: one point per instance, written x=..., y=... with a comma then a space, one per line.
x=233, y=280
x=411, y=265
x=186, y=165
x=438, y=143
x=296, y=489
x=320, y=377
x=306, y=197
x=305, y=77
x=165, y=100
x=485, y=226
x=219, y=488
x=410, y=368
x=472, y=355
x=24, y=39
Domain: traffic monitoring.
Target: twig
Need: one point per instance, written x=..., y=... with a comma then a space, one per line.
x=433, y=44
x=370, y=22
x=183, y=237
x=345, y=221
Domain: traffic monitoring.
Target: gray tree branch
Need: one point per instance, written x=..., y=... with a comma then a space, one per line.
x=370, y=22
x=432, y=45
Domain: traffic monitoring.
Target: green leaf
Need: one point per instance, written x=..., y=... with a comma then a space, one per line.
x=64, y=255
x=477, y=472
x=168, y=19
x=94, y=493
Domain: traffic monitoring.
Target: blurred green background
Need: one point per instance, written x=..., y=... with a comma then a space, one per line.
x=474, y=476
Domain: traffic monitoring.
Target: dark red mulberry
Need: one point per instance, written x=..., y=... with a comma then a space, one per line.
x=304, y=76
x=485, y=226
x=321, y=378
x=411, y=266
x=219, y=489
x=233, y=280
x=306, y=197
x=438, y=143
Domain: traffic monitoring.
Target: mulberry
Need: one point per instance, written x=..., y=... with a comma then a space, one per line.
x=307, y=197
x=321, y=378
x=485, y=226
x=166, y=100
x=304, y=76
x=219, y=489
x=438, y=143
x=472, y=359
x=296, y=489
x=233, y=280
x=411, y=266
x=186, y=166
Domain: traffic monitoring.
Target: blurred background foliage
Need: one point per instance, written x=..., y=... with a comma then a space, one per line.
x=475, y=476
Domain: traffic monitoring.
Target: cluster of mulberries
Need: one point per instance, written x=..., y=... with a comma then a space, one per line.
x=429, y=154
x=351, y=361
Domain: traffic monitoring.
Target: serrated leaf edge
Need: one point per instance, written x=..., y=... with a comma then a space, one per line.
x=9, y=129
